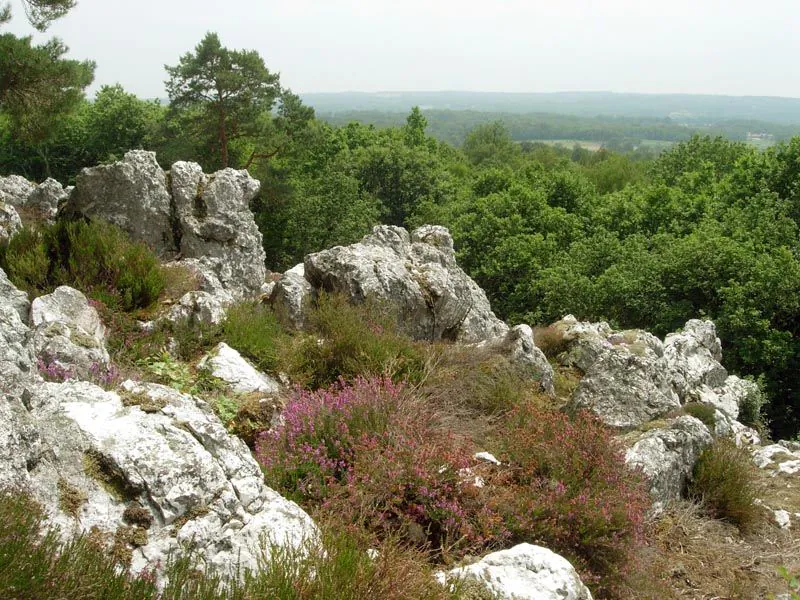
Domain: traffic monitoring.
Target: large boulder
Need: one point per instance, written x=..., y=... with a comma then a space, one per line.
x=520, y=349
x=216, y=224
x=47, y=197
x=68, y=335
x=292, y=294
x=151, y=471
x=185, y=213
x=693, y=357
x=524, y=572
x=416, y=274
x=16, y=189
x=132, y=194
x=667, y=456
x=10, y=223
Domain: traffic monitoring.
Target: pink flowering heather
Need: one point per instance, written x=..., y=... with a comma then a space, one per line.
x=369, y=452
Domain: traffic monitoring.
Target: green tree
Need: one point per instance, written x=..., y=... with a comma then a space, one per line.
x=415, y=127
x=490, y=143
x=224, y=93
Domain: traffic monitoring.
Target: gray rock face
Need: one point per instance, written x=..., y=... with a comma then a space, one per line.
x=10, y=223
x=199, y=307
x=16, y=189
x=164, y=454
x=519, y=347
x=524, y=572
x=181, y=213
x=131, y=194
x=227, y=364
x=292, y=294
x=416, y=274
x=47, y=197
x=693, y=357
x=68, y=332
x=667, y=456
x=216, y=223
x=11, y=296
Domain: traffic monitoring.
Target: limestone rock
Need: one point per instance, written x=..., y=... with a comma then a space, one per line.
x=16, y=189
x=518, y=345
x=157, y=451
x=11, y=296
x=626, y=389
x=216, y=223
x=779, y=458
x=10, y=223
x=68, y=332
x=693, y=357
x=47, y=197
x=227, y=364
x=291, y=295
x=416, y=274
x=132, y=194
x=524, y=572
x=667, y=456
x=199, y=307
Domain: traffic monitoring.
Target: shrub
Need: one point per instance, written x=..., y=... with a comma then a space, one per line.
x=726, y=482
x=356, y=340
x=95, y=257
x=253, y=329
x=567, y=487
x=704, y=412
x=369, y=452
x=751, y=409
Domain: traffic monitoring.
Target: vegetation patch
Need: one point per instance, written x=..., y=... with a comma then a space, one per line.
x=703, y=412
x=103, y=471
x=70, y=498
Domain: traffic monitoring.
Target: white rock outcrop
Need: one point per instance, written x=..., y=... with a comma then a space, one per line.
x=10, y=223
x=524, y=572
x=225, y=363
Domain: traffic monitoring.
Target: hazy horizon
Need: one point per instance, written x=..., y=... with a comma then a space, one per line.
x=733, y=48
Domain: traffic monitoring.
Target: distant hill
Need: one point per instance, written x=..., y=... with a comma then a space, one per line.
x=679, y=108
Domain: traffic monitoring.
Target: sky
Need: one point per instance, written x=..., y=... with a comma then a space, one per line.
x=734, y=47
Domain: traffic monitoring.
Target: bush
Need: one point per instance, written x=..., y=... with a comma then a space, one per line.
x=253, y=329
x=704, y=412
x=568, y=488
x=726, y=482
x=751, y=409
x=95, y=257
x=369, y=453
x=356, y=340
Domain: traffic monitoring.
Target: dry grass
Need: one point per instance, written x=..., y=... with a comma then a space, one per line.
x=696, y=557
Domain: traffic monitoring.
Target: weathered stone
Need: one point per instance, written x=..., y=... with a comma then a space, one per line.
x=291, y=295
x=68, y=332
x=434, y=299
x=779, y=458
x=197, y=307
x=47, y=197
x=524, y=572
x=518, y=346
x=132, y=194
x=216, y=223
x=667, y=456
x=174, y=459
x=225, y=363
x=16, y=189
x=693, y=357
x=11, y=296
x=10, y=223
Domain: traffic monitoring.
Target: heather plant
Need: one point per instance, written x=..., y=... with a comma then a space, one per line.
x=348, y=341
x=370, y=453
x=54, y=371
x=95, y=257
x=567, y=487
x=726, y=483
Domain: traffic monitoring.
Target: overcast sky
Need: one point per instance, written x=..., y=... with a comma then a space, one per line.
x=738, y=47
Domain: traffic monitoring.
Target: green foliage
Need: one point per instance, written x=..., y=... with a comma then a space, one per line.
x=348, y=341
x=703, y=412
x=253, y=329
x=792, y=581
x=95, y=257
x=725, y=481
